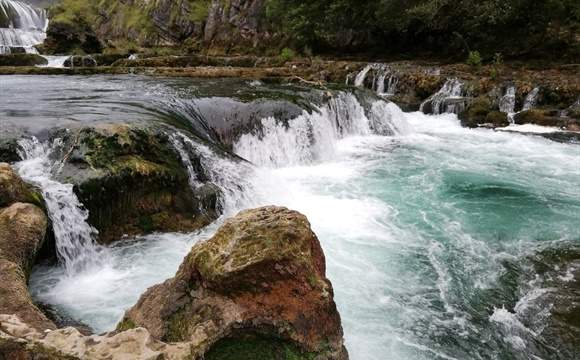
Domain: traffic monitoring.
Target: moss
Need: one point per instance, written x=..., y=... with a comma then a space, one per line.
x=476, y=113
x=539, y=117
x=126, y=324
x=178, y=326
x=22, y=60
x=497, y=118
x=256, y=348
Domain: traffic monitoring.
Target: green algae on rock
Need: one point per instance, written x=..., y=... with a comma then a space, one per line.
x=132, y=182
x=261, y=278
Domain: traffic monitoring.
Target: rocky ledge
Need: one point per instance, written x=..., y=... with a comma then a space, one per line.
x=132, y=181
x=256, y=290
x=23, y=226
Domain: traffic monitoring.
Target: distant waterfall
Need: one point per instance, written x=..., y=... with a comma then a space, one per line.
x=531, y=99
x=75, y=244
x=21, y=27
x=384, y=80
x=507, y=103
x=312, y=137
x=449, y=99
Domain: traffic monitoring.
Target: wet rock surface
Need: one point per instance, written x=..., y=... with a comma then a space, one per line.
x=132, y=181
x=23, y=227
x=256, y=290
x=261, y=278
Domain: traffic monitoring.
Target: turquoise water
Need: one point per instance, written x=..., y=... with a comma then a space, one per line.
x=441, y=242
x=422, y=232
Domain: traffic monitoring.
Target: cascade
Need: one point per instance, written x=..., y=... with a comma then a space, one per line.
x=74, y=237
x=229, y=175
x=447, y=99
x=312, y=137
x=362, y=75
x=55, y=61
x=507, y=103
x=21, y=27
x=531, y=99
x=380, y=74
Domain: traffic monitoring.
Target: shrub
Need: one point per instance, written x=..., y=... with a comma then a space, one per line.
x=474, y=58
x=287, y=54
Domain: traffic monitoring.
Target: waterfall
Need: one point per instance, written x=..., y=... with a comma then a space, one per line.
x=55, y=61
x=507, y=103
x=380, y=73
x=312, y=137
x=362, y=75
x=75, y=245
x=531, y=99
x=229, y=175
x=177, y=140
x=447, y=100
x=21, y=26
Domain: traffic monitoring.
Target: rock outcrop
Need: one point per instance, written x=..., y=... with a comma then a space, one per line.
x=256, y=290
x=259, y=280
x=132, y=181
x=23, y=227
x=18, y=340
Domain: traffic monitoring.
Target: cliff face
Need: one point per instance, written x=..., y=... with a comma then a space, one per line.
x=217, y=23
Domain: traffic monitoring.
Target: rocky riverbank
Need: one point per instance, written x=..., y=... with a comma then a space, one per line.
x=257, y=289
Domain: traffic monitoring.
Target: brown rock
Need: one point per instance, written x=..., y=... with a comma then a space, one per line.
x=13, y=189
x=22, y=230
x=260, y=278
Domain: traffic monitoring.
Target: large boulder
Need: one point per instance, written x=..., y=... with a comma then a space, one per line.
x=132, y=181
x=257, y=289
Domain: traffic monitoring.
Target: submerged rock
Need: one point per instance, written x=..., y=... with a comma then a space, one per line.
x=259, y=281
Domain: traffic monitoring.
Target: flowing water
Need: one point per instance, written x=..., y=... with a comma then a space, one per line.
x=449, y=99
x=21, y=26
x=430, y=230
x=75, y=244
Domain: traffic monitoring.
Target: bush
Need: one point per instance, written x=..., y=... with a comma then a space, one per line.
x=474, y=58
x=287, y=55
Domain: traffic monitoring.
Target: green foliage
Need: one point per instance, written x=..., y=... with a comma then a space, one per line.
x=199, y=10
x=512, y=26
x=287, y=55
x=474, y=59
x=256, y=348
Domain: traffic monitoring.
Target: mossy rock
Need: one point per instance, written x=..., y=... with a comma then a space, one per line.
x=477, y=112
x=497, y=119
x=8, y=150
x=132, y=182
x=14, y=189
x=539, y=117
x=256, y=348
x=22, y=60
